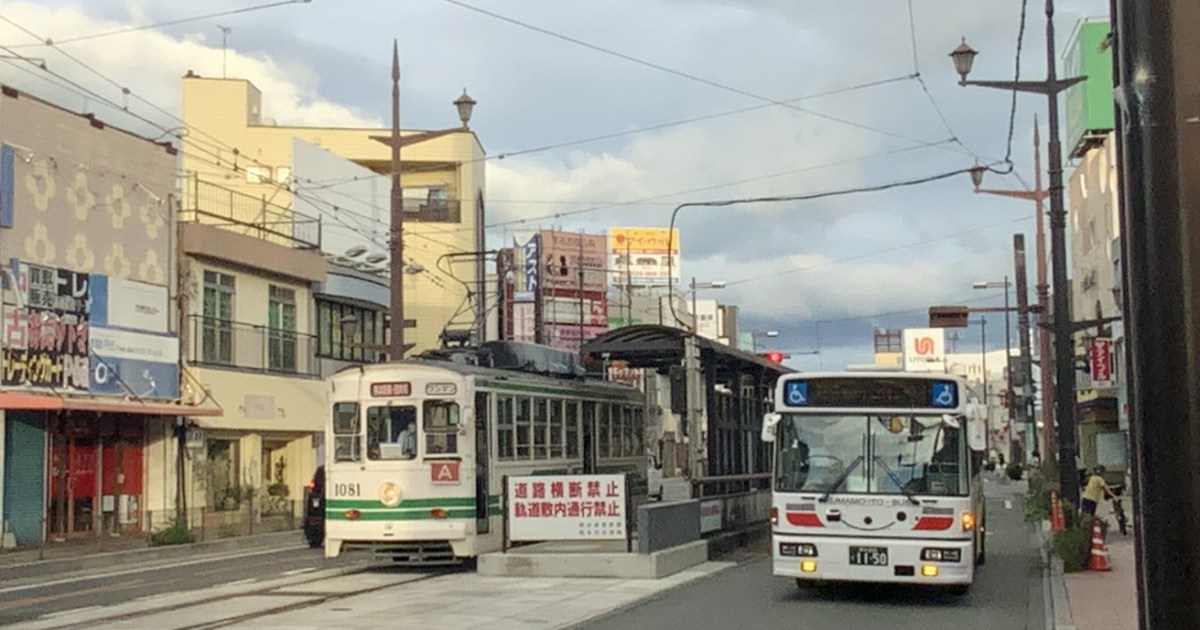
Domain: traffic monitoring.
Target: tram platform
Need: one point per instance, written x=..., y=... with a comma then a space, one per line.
x=592, y=559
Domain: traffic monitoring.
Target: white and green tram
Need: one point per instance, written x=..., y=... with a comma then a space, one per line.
x=417, y=449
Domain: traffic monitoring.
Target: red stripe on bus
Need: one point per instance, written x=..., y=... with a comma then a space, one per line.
x=934, y=523
x=805, y=519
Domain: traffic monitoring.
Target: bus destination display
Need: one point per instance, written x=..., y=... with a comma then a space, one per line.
x=881, y=393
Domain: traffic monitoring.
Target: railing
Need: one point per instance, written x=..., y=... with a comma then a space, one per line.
x=205, y=202
x=223, y=343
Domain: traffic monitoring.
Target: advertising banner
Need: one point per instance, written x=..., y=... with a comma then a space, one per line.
x=562, y=310
x=130, y=363
x=565, y=254
x=1100, y=360
x=566, y=507
x=568, y=336
x=924, y=350
x=641, y=255
x=123, y=303
x=524, y=321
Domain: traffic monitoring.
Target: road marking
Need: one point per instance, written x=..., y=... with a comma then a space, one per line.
x=31, y=601
x=1008, y=504
x=98, y=576
x=240, y=582
x=73, y=611
x=299, y=571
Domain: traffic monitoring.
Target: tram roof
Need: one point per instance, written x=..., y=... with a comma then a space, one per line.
x=654, y=346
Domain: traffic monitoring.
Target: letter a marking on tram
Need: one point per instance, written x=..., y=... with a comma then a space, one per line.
x=444, y=472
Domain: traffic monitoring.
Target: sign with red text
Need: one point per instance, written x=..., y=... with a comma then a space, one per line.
x=566, y=507
x=1101, y=363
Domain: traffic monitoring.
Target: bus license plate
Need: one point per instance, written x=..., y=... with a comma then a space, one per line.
x=869, y=556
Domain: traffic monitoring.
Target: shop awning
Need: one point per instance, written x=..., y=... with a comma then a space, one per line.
x=36, y=402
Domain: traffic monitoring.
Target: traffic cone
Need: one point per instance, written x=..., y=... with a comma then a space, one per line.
x=1057, y=523
x=1099, y=559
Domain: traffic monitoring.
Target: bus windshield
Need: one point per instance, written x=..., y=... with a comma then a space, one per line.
x=871, y=454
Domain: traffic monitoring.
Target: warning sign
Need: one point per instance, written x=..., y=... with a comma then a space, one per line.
x=444, y=472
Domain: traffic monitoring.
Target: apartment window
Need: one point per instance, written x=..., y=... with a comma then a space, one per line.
x=281, y=322
x=216, y=338
x=258, y=174
x=344, y=329
x=283, y=174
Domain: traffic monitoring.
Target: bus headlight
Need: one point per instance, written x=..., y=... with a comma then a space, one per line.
x=389, y=494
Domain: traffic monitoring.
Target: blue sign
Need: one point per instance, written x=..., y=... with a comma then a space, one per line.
x=531, y=264
x=795, y=393
x=944, y=394
x=125, y=363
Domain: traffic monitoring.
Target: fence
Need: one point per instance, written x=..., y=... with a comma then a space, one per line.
x=209, y=203
x=219, y=342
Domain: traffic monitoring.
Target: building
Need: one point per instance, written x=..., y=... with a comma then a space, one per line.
x=91, y=388
x=299, y=181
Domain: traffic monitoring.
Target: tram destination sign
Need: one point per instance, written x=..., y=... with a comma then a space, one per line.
x=567, y=507
x=871, y=393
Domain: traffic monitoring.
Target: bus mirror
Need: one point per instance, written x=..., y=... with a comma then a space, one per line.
x=951, y=421
x=977, y=434
x=770, y=426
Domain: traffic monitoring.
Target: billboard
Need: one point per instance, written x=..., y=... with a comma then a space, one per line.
x=524, y=315
x=564, y=254
x=1100, y=363
x=641, y=255
x=1088, y=106
x=567, y=507
x=924, y=350
x=571, y=336
x=567, y=310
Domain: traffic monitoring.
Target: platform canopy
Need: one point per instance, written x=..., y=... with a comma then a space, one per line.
x=659, y=347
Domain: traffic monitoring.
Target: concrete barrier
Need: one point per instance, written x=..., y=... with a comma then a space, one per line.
x=554, y=560
x=664, y=525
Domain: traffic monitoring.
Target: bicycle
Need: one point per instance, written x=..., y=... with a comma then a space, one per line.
x=1118, y=511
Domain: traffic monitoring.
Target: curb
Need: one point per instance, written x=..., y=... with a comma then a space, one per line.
x=1054, y=586
x=111, y=559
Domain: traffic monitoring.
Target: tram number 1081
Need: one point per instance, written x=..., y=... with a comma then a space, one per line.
x=346, y=490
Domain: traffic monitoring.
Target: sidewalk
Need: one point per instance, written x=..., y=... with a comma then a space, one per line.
x=1100, y=600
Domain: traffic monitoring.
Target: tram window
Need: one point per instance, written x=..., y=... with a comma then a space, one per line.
x=504, y=427
x=556, y=428
x=540, y=426
x=639, y=431
x=619, y=413
x=440, y=418
x=627, y=431
x=347, y=443
x=572, y=428
x=524, y=419
x=391, y=433
x=602, y=427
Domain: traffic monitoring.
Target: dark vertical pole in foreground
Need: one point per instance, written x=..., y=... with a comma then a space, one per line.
x=397, y=223
x=1025, y=371
x=1160, y=75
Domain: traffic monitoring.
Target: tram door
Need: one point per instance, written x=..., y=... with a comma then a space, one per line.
x=483, y=408
x=589, y=438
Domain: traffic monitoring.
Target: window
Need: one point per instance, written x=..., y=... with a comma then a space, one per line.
x=258, y=174
x=627, y=431
x=602, y=426
x=556, y=428
x=216, y=338
x=281, y=322
x=224, y=488
x=524, y=419
x=504, y=427
x=283, y=174
x=347, y=443
x=344, y=329
x=391, y=433
x=639, y=433
x=572, y=429
x=540, y=426
x=440, y=418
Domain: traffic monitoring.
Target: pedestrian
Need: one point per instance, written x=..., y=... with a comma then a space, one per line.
x=1096, y=491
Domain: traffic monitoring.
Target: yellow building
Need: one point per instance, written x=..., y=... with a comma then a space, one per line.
x=335, y=183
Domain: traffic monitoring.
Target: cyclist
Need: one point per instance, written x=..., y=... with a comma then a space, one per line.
x=1096, y=491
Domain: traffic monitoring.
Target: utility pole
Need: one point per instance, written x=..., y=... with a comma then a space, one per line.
x=987, y=405
x=1025, y=367
x=397, y=223
x=1009, y=407
x=1158, y=77
x=224, y=50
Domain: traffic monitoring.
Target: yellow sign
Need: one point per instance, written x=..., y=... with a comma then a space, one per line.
x=643, y=240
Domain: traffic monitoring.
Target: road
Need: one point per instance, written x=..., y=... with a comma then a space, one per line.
x=1007, y=594
x=20, y=601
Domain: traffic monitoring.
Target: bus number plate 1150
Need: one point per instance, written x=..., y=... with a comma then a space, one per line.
x=869, y=556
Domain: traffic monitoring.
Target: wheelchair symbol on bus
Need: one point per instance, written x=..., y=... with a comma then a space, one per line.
x=797, y=393
x=944, y=395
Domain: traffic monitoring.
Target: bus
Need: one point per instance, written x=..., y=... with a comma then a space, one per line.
x=417, y=449
x=876, y=479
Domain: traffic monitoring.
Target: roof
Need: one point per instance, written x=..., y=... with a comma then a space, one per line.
x=654, y=346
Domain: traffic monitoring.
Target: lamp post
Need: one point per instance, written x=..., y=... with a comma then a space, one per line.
x=715, y=284
x=755, y=334
x=1008, y=389
x=1064, y=346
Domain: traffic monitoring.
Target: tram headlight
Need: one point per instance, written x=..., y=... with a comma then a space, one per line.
x=389, y=494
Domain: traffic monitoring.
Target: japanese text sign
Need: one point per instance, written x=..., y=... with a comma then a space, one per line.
x=566, y=507
x=1101, y=363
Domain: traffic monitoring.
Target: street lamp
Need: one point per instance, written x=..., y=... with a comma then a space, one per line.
x=755, y=334
x=715, y=284
x=964, y=57
x=465, y=105
x=1008, y=388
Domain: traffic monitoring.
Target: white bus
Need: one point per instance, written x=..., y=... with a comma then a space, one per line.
x=418, y=448
x=876, y=479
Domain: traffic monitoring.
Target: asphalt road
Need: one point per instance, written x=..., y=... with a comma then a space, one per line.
x=32, y=598
x=1007, y=594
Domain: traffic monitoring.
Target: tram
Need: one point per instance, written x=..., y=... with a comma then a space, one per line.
x=417, y=449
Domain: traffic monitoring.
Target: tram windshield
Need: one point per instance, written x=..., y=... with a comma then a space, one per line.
x=871, y=454
x=391, y=433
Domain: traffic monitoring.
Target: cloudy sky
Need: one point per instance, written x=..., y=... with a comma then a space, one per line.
x=824, y=271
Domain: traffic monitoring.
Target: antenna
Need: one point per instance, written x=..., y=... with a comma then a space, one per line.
x=224, y=49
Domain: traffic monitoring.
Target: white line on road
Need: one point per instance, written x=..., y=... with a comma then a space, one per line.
x=1008, y=504
x=299, y=571
x=73, y=611
x=239, y=582
x=84, y=578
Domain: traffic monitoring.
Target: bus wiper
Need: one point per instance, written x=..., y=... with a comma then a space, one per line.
x=841, y=478
x=908, y=493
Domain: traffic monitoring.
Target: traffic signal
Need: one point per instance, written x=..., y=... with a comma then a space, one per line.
x=774, y=356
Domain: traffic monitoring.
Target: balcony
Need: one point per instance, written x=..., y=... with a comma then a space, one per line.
x=433, y=210
x=221, y=343
x=208, y=203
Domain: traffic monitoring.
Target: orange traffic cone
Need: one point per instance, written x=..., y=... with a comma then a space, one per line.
x=1099, y=560
x=1057, y=522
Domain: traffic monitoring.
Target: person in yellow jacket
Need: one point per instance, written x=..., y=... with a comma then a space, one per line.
x=1096, y=491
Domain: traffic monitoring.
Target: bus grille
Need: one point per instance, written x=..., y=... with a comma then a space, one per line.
x=418, y=553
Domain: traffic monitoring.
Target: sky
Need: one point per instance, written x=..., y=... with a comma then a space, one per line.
x=823, y=272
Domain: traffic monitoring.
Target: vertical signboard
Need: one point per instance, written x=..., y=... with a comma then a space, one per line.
x=924, y=350
x=644, y=256
x=46, y=338
x=1100, y=361
x=531, y=263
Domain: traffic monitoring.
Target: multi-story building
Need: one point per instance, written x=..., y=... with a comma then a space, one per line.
x=341, y=178
x=90, y=387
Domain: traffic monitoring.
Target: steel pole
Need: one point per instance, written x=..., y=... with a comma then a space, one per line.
x=1064, y=343
x=1025, y=367
x=397, y=219
x=987, y=405
x=1008, y=372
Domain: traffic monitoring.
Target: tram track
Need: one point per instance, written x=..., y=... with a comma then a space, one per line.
x=292, y=589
